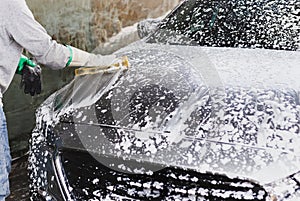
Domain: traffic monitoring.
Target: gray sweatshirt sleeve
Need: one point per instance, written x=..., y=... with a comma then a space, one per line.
x=28, y=33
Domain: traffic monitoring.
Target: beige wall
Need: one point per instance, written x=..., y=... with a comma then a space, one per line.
x=88, y=23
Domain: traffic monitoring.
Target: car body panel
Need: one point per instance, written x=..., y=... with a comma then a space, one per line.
x=225, y=114
x=262, y=134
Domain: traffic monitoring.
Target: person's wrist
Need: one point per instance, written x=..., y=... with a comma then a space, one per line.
x=24, y=61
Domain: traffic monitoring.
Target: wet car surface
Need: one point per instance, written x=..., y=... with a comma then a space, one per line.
x=165, y=128
x=184, y=122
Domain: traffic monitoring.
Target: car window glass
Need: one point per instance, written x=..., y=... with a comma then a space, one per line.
x=269, y=24
x=179, y=20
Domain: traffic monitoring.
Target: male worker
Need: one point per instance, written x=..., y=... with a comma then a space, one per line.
x=18, y=30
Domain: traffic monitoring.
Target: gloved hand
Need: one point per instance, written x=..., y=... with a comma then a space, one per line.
x=81, y=58
x=31, y=76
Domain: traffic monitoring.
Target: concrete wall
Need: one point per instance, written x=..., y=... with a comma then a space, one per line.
x=85, y=24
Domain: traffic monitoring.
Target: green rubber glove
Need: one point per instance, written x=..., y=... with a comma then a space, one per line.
x=22, y=62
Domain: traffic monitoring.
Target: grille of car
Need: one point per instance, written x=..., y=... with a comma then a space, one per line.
x=91, y=180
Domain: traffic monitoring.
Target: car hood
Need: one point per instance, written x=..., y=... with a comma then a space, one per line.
x=220, y=110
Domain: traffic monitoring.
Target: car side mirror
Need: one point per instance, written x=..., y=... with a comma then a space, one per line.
x=147, y=27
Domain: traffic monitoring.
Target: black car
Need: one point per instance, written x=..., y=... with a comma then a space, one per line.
x=208, y=110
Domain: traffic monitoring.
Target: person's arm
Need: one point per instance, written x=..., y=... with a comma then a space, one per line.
x=28, y=33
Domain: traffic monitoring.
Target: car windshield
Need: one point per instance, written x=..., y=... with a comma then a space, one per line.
x=270, y=24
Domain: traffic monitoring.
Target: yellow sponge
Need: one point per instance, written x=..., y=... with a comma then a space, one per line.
x=123, y=63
